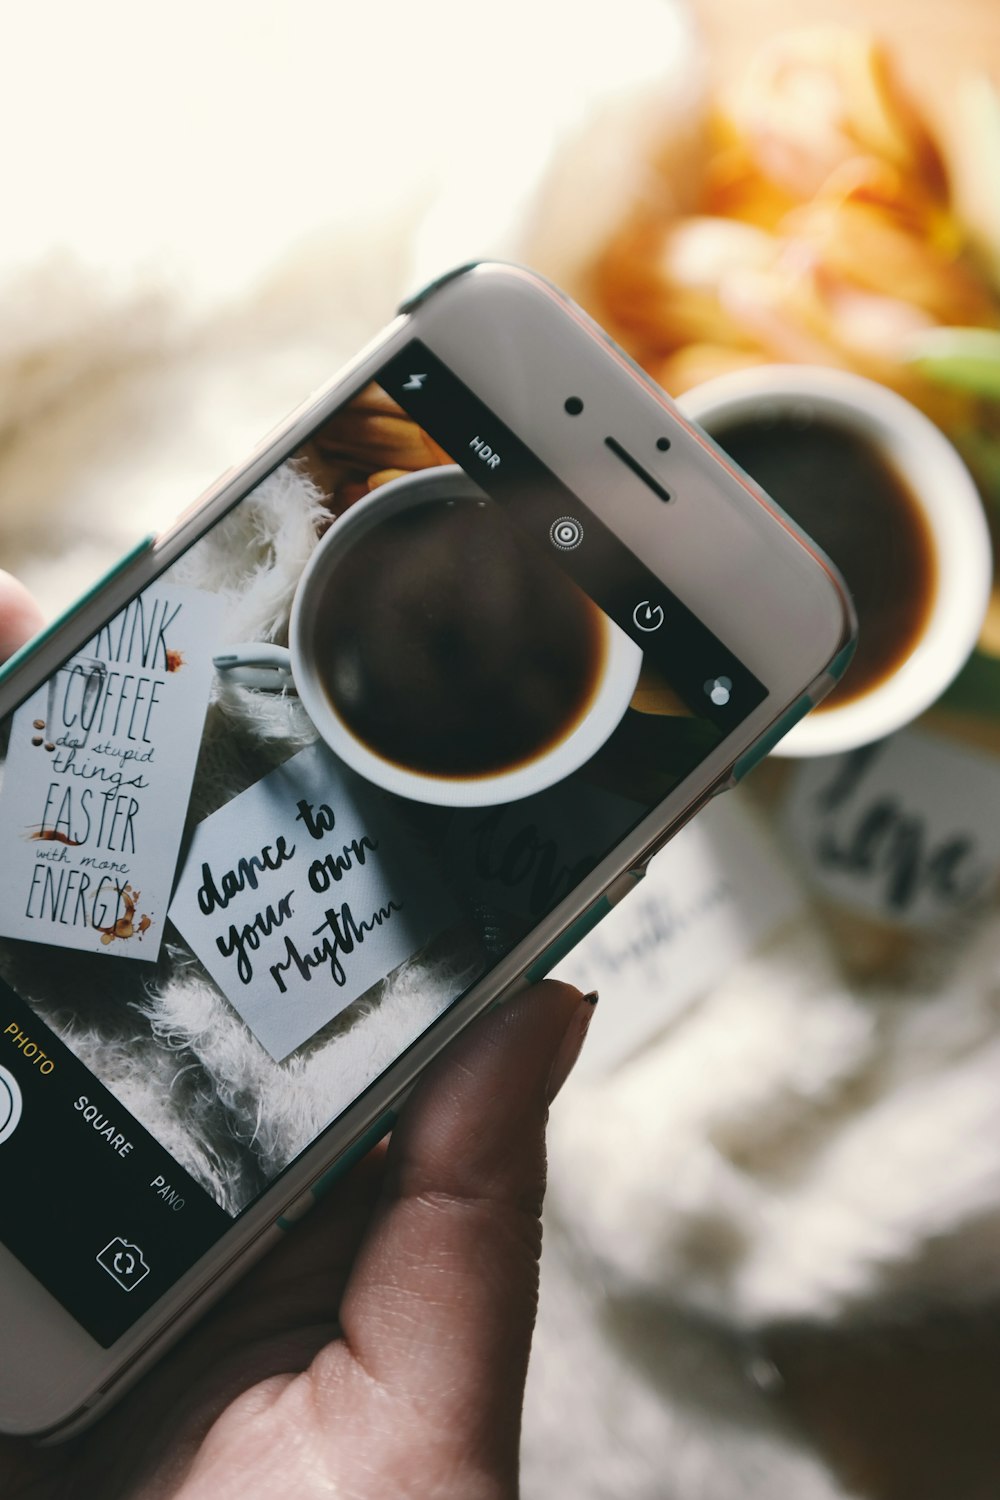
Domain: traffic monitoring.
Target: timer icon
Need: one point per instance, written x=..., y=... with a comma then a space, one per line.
x=647, y=616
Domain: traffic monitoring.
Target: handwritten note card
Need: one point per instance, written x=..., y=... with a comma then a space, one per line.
x=907, y=830
x=302, y=893
x=97, y=779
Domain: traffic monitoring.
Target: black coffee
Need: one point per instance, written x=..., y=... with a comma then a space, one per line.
x=450, y=646
x=844, y=494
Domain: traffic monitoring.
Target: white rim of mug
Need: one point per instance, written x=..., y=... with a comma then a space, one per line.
x=622, y=663
x=947, y=496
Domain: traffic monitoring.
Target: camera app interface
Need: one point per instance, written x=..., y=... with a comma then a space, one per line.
x=298, y=796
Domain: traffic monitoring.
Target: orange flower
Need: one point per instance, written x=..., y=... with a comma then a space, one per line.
x=825, y=233
x=815, y=101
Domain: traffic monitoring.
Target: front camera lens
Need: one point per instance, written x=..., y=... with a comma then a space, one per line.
x=574, y=405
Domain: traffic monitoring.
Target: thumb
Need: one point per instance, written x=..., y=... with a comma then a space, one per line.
x=441, y=1302
x=20, y=616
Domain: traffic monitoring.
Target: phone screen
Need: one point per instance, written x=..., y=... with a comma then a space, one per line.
x=293, y=800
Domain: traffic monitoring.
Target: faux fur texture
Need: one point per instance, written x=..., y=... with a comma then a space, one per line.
x=820, y=1151
x=631, y=1398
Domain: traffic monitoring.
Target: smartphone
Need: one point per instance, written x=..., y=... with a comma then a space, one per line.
x=357, y=748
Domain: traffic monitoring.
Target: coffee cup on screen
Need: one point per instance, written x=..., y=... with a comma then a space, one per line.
x=442, y=655
x=883, y=492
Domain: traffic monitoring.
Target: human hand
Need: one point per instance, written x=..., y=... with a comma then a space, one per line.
x=382, y=1350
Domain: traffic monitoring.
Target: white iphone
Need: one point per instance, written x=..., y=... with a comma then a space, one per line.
x=354, y=750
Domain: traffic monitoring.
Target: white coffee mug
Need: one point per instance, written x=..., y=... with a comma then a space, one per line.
x=264, y=665
x=941, y=486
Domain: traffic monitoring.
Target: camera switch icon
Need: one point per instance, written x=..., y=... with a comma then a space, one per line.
x=124, y=1263
x=719, y=690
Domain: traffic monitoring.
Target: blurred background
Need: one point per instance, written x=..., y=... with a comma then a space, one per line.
x=773, y=1247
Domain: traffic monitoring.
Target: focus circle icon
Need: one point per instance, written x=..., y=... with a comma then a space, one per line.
x=10, y=1104
x=566, y=533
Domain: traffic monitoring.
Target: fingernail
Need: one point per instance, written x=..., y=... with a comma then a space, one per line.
x=571, y=1044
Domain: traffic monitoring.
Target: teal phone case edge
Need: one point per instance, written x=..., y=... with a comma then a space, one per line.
x=28, y=650
x=346, y=1161
x=763, y=747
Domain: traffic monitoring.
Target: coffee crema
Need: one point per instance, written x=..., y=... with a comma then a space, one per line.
x=848, y=497
x=449, y=645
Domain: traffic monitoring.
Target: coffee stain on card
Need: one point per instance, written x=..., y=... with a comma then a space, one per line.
x=126, y=926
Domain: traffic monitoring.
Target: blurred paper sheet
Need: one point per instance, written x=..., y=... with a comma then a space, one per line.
x=717, y=891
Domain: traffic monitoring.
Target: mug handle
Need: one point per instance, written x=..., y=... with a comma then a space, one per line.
x=256, y=664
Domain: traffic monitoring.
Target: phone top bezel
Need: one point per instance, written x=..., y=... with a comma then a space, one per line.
x=66, y=1368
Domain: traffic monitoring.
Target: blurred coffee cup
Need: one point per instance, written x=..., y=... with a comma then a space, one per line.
x=871, y=480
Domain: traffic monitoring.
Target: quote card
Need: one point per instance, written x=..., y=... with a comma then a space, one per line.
x=98, y=776
x=302, y=893
x=906, y=830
